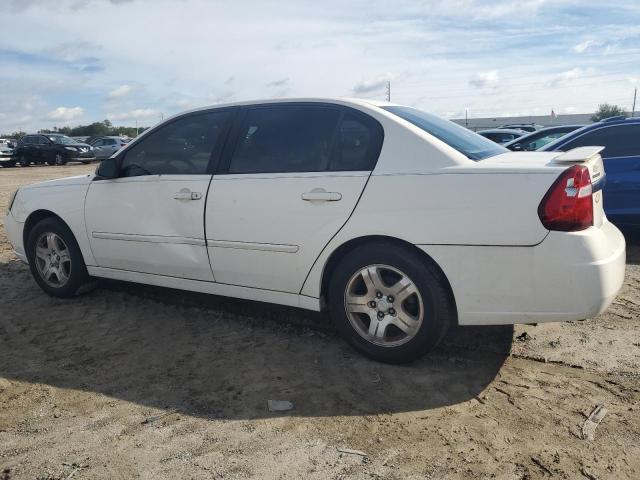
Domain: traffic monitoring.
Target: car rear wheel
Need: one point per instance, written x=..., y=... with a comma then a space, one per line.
x=390, y=303
x=55, y=259
x=60, y=159
x=24, y=161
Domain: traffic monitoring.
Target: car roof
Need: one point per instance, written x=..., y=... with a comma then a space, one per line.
x=502, y=130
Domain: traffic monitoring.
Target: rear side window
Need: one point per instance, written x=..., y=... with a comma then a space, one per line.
x=358, y=144
x=285, y=139
x=182, y=147
x=618, y=140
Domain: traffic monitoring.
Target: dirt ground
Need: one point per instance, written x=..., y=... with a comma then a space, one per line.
x=139, y=382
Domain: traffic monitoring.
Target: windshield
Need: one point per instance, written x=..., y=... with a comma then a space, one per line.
x=470, y=144
x=62, y=140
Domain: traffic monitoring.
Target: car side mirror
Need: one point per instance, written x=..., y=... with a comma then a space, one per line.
x=108, y=168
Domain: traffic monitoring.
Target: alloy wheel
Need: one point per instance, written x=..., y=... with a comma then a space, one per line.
x=383, y=305
x=53, y=259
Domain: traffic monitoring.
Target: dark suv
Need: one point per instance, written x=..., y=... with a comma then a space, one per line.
x=52, y=149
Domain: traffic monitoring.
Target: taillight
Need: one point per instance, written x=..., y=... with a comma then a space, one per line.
x=568, y=205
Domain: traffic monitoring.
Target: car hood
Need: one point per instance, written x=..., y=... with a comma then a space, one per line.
x=62, y=182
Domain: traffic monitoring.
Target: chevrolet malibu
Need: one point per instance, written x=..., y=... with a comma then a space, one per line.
x=398, y=223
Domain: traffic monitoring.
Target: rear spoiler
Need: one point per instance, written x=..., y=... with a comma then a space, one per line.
x=579, y=154
x=584, y=155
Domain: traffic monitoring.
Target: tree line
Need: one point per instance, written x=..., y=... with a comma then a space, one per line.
x=104, y=128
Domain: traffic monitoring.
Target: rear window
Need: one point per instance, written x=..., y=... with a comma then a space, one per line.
x=470, y=144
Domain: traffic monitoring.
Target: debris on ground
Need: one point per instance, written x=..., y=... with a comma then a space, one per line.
x=590, y=424
x=279, y=405
x=350, y=451
x=523, y=337
x=155, y=418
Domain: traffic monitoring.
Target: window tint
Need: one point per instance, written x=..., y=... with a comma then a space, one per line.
x=619, y=140
x=28, y=140
x=474, y=146
x=98, y=143
x=358, y=144
x=109, y=141
x=285, y=139
x=183, y=146
x=43, y=141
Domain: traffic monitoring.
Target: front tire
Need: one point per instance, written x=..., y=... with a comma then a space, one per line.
x=60, y=160
x=390, y=303
x=24, y=161
x=55, y=259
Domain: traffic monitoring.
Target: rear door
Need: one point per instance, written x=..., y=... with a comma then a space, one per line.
x=151, y=218
x=621, y=158
x=288, y=183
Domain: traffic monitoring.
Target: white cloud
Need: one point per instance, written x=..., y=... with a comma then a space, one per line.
x=586, y=45
x=372, y=85
x=567, y=76
x=136, y=114
x=489, y=79
x=66, y=114
x=121, y=91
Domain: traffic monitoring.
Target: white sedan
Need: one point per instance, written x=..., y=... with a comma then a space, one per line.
x=396, y=221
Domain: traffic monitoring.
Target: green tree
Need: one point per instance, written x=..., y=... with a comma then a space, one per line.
x=606, y=110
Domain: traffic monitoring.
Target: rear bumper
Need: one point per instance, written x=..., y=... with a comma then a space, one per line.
x=568, y=276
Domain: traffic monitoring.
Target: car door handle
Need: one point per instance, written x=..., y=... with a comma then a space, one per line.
x=187, y=195
x=321, y=195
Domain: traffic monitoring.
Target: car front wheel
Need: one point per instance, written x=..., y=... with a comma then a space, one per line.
x=24, y=161
x=390, y=303
x=55, y=259
x=60, y=159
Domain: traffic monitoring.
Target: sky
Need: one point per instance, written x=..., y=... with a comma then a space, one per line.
x=70, y=62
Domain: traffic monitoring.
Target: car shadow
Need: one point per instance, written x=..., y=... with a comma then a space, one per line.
x=215, y=357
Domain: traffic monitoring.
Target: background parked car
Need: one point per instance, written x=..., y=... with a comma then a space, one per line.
x=502, y=135
x=620, y=138
x=539, y=138
x=81, y=139
x=52, y=149
x=106, y=146
x=7, y=154
x=527, y=127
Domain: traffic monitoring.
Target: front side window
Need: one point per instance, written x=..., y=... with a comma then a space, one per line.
x=618, y=141
x=59, y=139
x=285, y=139
x=183, y=146
x=469, y=143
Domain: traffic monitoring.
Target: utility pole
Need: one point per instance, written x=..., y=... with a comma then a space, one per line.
x=635, y=94
x=466, y=119
x=388, y=90
x=136, y=127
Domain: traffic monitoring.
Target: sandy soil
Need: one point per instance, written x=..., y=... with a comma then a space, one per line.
x=84, y=384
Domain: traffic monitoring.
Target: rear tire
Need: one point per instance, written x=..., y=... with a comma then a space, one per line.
x=24, y=161
x=55, y=259
x=390, y=303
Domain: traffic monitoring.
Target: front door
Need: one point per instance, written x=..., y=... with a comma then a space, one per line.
x=151, y=218
x=289, y=184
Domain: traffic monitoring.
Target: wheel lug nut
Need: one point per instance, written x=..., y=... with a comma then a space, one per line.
x=392, y=311
x=381, y=315
x=372, y=304
x=390, y=299
x=378, y=294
